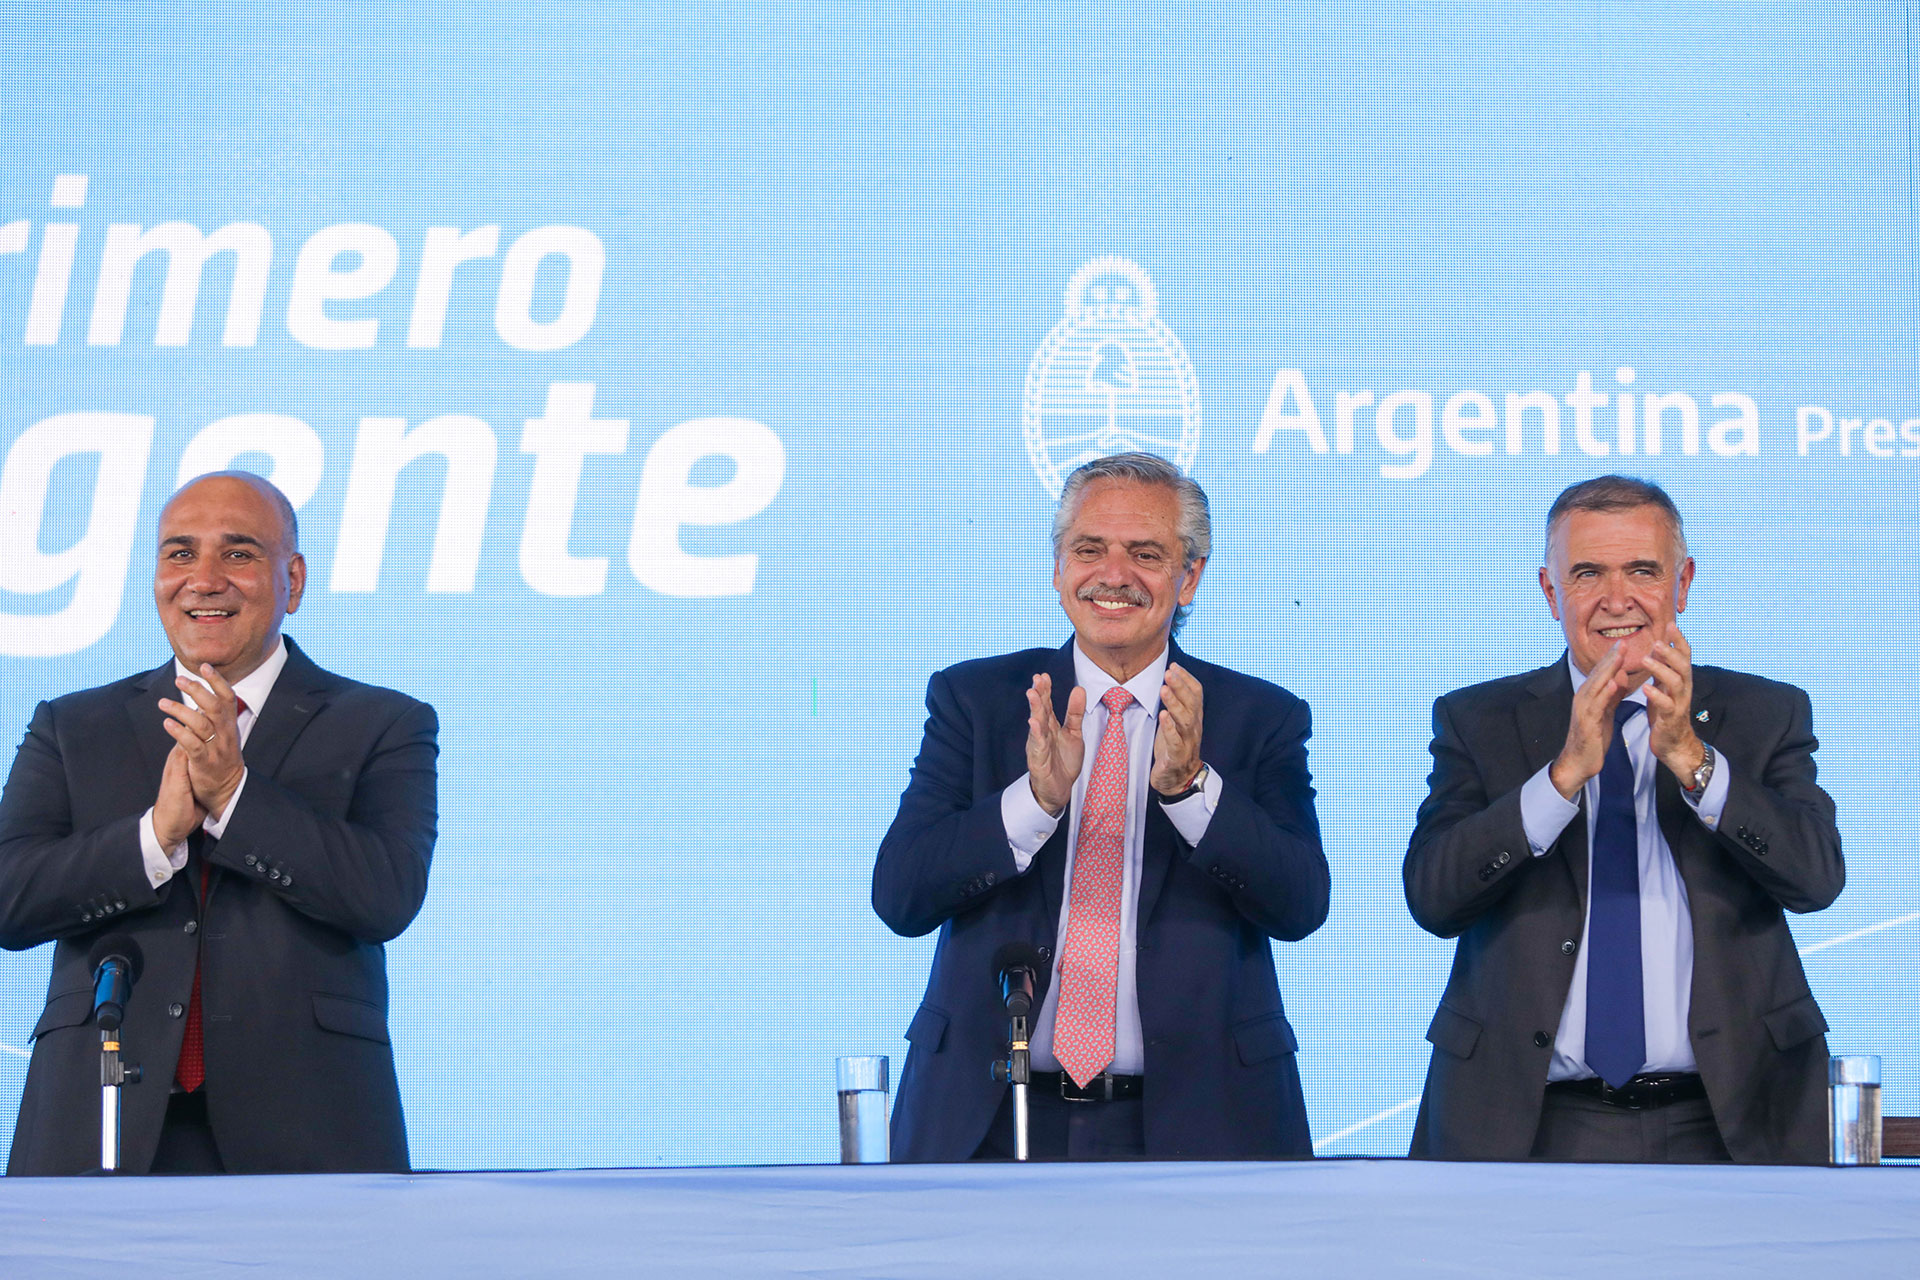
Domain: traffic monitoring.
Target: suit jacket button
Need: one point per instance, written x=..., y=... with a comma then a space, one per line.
x=174, y=1010
x=1504, y=858
x=1046, y=953
x=285, y=879
x=991, y=876
x=191, y=926
x=86, y=917
x=1542, y=1039
x=1567, y=947
x=252, y=861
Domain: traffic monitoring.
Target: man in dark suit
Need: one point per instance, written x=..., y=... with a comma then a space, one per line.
x=1613, y=840
x=259, y=887
x=1145, y=817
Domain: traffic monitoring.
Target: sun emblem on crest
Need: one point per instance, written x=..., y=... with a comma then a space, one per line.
x=1110, y=378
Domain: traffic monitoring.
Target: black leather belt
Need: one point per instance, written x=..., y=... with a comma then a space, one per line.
x=1102, y=1088
x=1642, y=1093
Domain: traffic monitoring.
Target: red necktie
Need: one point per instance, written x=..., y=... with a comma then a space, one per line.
x=1090, y=960
x=190, y=1072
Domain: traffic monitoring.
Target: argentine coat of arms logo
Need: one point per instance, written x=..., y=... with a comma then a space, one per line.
x=1110, y=378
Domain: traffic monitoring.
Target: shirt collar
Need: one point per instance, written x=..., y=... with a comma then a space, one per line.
x=255, y=688
x=1639, y=694
x=1145, y=685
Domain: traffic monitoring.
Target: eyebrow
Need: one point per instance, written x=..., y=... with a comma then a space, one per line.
x=1631, y=564
x=1087, y=538
x=227, y=540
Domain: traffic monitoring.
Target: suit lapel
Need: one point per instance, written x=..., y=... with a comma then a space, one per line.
x=1053, y=854
x=1158, y=839
x=1543, y=717
x=1676, y=821
x=147, y=720
x=297, y=697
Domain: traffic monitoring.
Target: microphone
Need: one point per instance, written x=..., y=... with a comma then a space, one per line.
x=115, y=961
x=1016, y=965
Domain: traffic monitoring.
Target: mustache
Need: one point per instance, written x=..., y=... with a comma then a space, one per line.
x=1124, y=594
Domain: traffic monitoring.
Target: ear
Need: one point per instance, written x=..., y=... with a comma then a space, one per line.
x=1681, y=582
x=1191, y=583
x=1546, y=589
x=296, y=581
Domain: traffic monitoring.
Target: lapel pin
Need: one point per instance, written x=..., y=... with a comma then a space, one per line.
x=1701, y=715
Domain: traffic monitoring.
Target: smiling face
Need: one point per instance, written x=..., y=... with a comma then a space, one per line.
x=1120, y=573
x=226, y=576
x=1615, y=576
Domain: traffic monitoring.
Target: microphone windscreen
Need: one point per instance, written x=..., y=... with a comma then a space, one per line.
x=1017, y=955
x=116, y=944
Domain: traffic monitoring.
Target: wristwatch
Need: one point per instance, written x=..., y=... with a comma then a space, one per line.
x=1192, y=789
x=1703, y=775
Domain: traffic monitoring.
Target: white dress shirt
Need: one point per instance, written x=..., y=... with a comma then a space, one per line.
x=1029, y=826
x=1666, y=927
x=253, y=690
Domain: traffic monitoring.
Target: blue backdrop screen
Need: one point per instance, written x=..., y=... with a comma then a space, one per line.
x=666, y=391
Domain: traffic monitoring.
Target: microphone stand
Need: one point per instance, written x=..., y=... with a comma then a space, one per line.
x=1015, y=1068
x=113, y=1074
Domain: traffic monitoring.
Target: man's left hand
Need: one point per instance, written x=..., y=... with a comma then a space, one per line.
x=1176, y=743
x=1670, y=707
x=210, y=735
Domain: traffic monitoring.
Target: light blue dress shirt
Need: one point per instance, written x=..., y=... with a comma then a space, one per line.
x=1666, y=927
x=1029, y=826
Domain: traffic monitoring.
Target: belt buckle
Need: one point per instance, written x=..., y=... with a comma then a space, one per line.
x=1104, y=1079
x=1628, y=1097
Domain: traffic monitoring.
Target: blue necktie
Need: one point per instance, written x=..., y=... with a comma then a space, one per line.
x=1616, y=1014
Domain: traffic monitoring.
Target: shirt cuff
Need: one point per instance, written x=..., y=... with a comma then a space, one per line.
x=160, y=863
x=1544, y=812
x=1028, y=825
x=1713, y=801
x=217, y=827
x=1190, y=817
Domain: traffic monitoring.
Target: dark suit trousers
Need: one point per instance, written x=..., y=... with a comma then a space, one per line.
x=1588, y=1131
x=186, y=1137
x=1061, y=1130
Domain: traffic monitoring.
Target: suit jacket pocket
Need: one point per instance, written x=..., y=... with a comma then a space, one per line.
x=928, y=1030
x=1795, y=1022
x=350, y=1017
x=68, y=1009
x=1264, y=1038
x=1453, y=1032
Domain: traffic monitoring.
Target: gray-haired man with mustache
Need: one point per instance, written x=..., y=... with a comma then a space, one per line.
x=1144, y=820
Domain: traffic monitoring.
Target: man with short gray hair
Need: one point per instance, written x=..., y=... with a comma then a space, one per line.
x=1141, y=819
x=1614, y=840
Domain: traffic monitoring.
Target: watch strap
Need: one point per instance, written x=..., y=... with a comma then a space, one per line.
x=1191, y=790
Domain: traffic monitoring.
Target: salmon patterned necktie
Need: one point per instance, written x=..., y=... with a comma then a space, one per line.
x=1090, y=960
